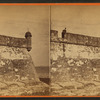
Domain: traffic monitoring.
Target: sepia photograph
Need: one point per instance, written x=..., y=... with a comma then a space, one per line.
x=49, y=50
x=75, y=50
x=24, y=50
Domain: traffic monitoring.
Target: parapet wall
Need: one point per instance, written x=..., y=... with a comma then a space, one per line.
x=15, y=42
x=72, y=38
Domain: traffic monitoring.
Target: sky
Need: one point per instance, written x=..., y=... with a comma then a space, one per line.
x=16, y=20
x=80, y=19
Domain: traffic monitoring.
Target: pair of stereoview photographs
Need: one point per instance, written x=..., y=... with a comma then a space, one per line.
x=49, y=50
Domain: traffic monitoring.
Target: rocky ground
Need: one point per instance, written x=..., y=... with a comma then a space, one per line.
x=23, y=89
x=73, y=88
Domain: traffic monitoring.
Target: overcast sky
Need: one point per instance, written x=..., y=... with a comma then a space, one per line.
x=79, y=19
x=16, y=20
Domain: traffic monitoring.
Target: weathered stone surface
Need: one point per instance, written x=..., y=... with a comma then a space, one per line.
x=12, y=41
x=75, y=68
x=73, y=51
x=18, y=75
x=72, y=38
x=67, y=69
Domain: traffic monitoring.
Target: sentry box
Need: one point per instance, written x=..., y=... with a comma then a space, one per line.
x=28, y=36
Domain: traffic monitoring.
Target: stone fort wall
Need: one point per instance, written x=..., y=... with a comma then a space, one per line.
x=16, y=42
x=12, y=41
x=18, y=75
x=74, y=57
